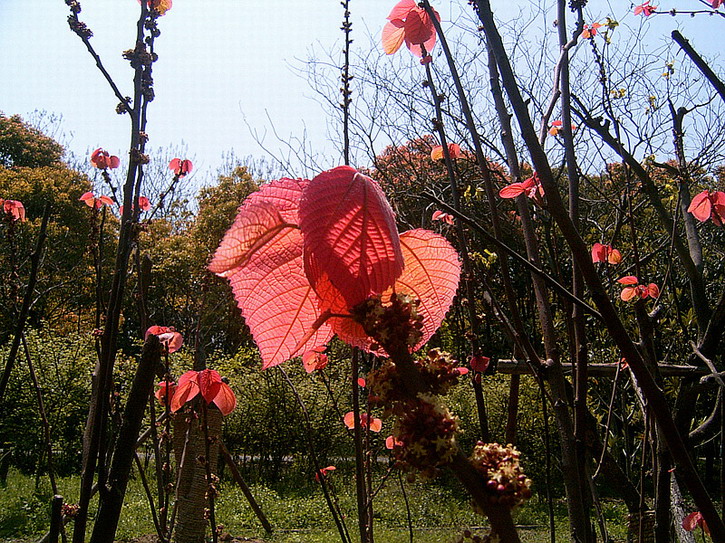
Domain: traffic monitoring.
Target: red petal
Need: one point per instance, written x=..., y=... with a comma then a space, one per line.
x=114, y=162
x=349, y=419
x=209, y=383
x=361, y=382
x=349, y=227
x=225, y=400
x=436, y=154
x=174, y=164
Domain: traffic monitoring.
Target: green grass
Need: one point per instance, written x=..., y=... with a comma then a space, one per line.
x=297, y=511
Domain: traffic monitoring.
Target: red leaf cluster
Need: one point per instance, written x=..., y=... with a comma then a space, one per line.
x=301, y=254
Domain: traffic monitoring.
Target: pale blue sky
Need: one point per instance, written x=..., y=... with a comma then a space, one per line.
x=221, y=61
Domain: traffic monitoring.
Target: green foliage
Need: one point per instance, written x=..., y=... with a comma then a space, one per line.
x=63, y=365
x=24, y=146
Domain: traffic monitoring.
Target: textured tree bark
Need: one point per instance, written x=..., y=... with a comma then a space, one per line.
x=109, y=511
x=191, y=493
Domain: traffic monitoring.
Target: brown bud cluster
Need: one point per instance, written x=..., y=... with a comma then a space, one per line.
x=506, y=483
x=393, y=324
x=438, y=371
x=427, y=431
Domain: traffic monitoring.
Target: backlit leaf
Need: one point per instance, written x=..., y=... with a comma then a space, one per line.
x=349, y=228
x=276, y=300
x=431, y=275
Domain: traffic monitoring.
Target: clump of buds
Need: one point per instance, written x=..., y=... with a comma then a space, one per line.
x=506, y=483
x=391, y=324
x=427, y=431
x=438, y=372
x=70, y=510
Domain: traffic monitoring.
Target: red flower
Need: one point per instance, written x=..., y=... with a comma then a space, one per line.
x=605, y=253
x=181, y=167
x=102, y=160
x=646, y=10
x=14, y=209
x=589, y=31
x=635, y=290
x=531, y=187
x=693, y=520
x=315, y=359
x=443, y=217
x=165, y=393
x=209, y=384
x=168, y=336
x=323, y=472
x=716, y=3
x=97, y=203
x=375, y=424
x=410, y=23
x=709, y=205
x=361, y=382
x=453, y=149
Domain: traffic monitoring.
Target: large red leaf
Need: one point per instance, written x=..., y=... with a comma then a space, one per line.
x=431, y=275
x=277, y=302
x=261, y=217
x=269, y=284
x=349, y=230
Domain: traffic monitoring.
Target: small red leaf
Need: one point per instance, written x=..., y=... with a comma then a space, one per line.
x=209, y=383
x=349, y=228
x=225, y=399
x=187, y=389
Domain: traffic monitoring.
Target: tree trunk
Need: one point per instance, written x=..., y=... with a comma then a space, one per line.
x=191, y=493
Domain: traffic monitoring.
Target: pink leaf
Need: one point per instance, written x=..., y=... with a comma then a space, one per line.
x=187, y=389
x=277, y=301
x=393, y=35
x=225, y=399
x=315, y=359
x=256, y=225
x=401, y=9
x=431, y=275
x=349, y=228
x=266, y=273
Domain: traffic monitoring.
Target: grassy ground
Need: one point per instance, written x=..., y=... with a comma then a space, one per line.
x=297, y=512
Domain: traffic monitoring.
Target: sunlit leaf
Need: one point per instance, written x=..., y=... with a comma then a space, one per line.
x=349, y=228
